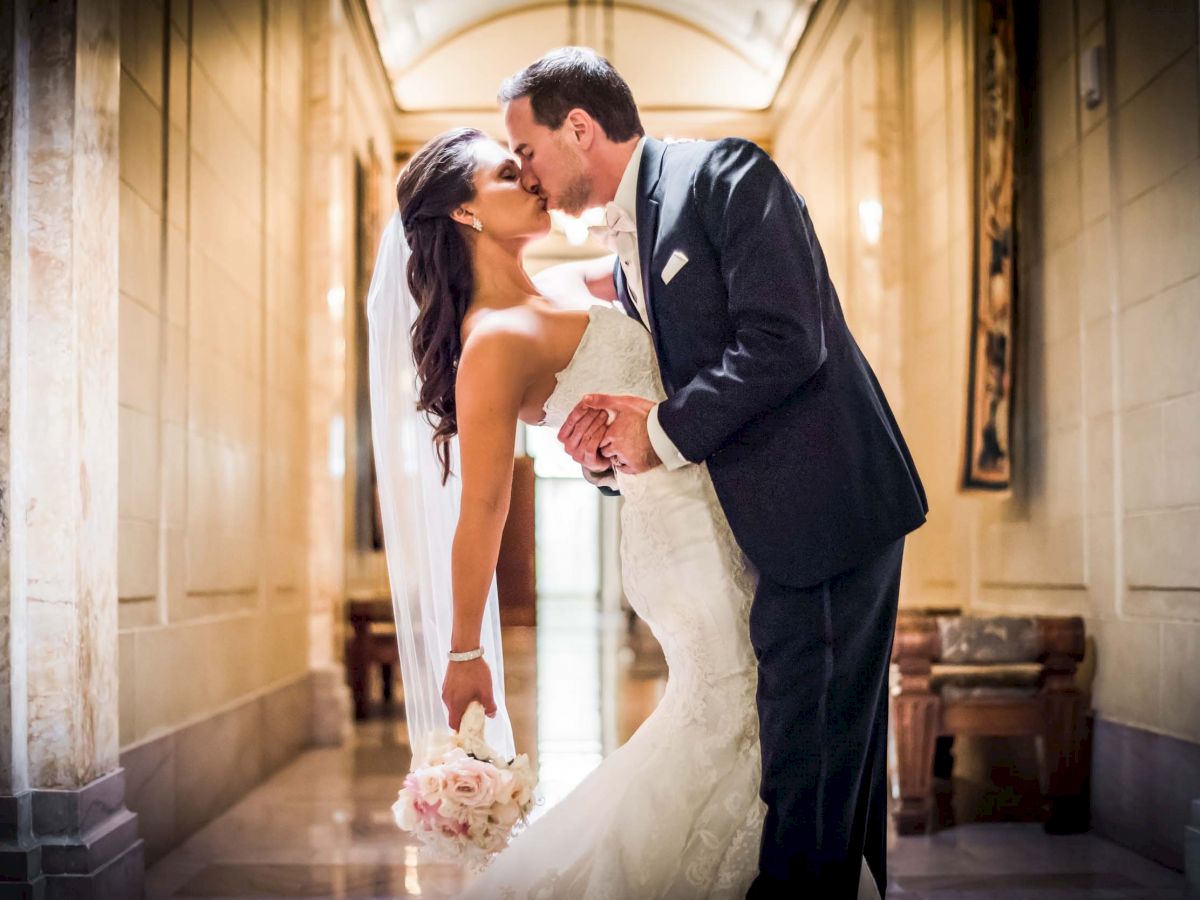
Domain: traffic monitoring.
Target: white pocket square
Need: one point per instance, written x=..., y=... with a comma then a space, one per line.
x=677, y=261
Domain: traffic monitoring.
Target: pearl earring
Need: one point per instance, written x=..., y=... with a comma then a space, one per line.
x=476, y=224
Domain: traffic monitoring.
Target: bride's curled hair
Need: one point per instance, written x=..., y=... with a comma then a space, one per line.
x=436, y=182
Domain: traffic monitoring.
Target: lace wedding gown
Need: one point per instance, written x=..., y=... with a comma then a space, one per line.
x=675, y=811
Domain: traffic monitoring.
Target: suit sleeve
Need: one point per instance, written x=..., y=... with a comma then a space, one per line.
x=756, y=222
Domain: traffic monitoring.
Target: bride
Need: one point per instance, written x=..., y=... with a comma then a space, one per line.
x=675, y=812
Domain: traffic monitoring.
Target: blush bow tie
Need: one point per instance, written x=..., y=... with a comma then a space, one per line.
x=616, y=223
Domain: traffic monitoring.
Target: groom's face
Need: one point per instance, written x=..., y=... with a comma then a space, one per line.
x=553, y=163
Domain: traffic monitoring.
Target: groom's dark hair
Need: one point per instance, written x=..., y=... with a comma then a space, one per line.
x=576, y=78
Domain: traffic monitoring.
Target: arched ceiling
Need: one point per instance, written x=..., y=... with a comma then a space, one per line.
x=449, y=56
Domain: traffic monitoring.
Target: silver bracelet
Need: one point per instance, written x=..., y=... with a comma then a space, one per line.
x=467, y=656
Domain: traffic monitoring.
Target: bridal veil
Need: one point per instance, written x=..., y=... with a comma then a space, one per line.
x=419, y=513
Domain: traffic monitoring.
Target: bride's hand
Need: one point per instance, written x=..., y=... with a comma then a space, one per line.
x=580, y=436
x=627, y=439
x=467, y=681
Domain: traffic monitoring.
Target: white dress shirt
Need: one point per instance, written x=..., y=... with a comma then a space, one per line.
x=621, y=215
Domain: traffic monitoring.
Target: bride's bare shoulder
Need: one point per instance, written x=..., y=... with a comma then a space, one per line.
x=518, y=327
x=523, y=327
x=509, y=341
x=498, y=331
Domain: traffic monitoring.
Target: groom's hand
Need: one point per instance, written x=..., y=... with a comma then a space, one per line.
x=581, y=434
x=467, y=681
x=627, y=440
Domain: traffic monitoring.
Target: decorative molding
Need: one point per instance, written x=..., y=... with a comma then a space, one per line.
x=490, y=19
x=1031, y=586
x=414, y=129
x=362, y=29
x=822, y=25
x=1174, y=605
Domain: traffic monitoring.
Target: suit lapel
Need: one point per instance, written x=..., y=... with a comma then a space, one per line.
x=623, y=294
x=653, y=153
x=647, y=232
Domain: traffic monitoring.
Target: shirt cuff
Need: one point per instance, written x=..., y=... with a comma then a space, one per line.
x=663, y=445
x=605, y=479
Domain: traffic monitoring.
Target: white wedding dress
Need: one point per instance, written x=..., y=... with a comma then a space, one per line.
x=675, y=811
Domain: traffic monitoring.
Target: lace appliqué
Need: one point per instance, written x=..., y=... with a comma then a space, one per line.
x=614, y=356
x=675, y=812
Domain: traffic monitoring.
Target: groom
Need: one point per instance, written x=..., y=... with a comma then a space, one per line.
x=718, y=259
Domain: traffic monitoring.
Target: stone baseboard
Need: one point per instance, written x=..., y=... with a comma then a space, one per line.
x=1142, y=789
x=333, y=707
x=72, y=844
x=1191, y=850
x=180, y=781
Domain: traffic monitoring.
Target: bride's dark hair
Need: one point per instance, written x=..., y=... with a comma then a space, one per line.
x=438, y=180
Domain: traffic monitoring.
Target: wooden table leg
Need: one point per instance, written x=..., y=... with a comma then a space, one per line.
x=358, y=662
x=916, y=717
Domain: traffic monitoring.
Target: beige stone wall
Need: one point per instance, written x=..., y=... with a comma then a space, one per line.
x=351, y=117
x=213, y=458
x=367, y=118
x=1105, y=513
x=829, y=121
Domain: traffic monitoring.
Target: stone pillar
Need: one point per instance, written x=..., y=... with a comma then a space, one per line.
x=326, y=221
x=14, y=278
x=64, y=828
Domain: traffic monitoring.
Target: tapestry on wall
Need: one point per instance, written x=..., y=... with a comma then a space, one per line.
x=987, y=463
x=368, y=230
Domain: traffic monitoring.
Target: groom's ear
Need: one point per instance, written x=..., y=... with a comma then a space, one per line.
x=582, y=128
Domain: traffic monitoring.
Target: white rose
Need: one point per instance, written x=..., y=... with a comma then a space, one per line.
x=405, y=812
x=505, y=785
x=430, y=784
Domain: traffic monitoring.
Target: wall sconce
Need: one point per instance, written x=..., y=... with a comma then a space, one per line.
x=870, y=220
x=335, y=299
x=337, y=446
x=1091, y=76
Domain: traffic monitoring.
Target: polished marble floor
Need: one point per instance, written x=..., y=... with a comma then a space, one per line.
x=578, y=685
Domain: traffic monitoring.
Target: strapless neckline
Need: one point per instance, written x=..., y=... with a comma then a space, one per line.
x=561, y=374
x=615, y=356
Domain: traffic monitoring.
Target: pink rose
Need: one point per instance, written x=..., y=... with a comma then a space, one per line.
x=470, y=782
x=429, y=783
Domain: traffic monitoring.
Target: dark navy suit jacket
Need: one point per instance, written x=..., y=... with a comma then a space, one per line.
x=763, y=378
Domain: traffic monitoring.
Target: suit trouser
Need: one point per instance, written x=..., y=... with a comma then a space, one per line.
x=823, y=653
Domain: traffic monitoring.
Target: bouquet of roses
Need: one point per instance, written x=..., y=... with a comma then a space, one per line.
x=463, y=802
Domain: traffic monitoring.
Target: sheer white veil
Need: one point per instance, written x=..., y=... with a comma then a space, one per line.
x=419, y=513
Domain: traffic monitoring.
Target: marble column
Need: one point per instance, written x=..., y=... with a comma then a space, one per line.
x=325, y=238
x=64, y=828
x=14, y=277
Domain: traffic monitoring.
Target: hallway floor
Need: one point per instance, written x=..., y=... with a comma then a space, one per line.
x=322, y=826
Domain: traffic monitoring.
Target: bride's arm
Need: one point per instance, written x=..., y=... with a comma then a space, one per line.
x=491, y=380
x=578, y=284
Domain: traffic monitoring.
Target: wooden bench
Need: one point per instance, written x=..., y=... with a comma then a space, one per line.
x=372, y=642
x=967, y=675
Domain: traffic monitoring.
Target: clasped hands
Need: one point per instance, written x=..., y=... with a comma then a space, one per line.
x=606, y=430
